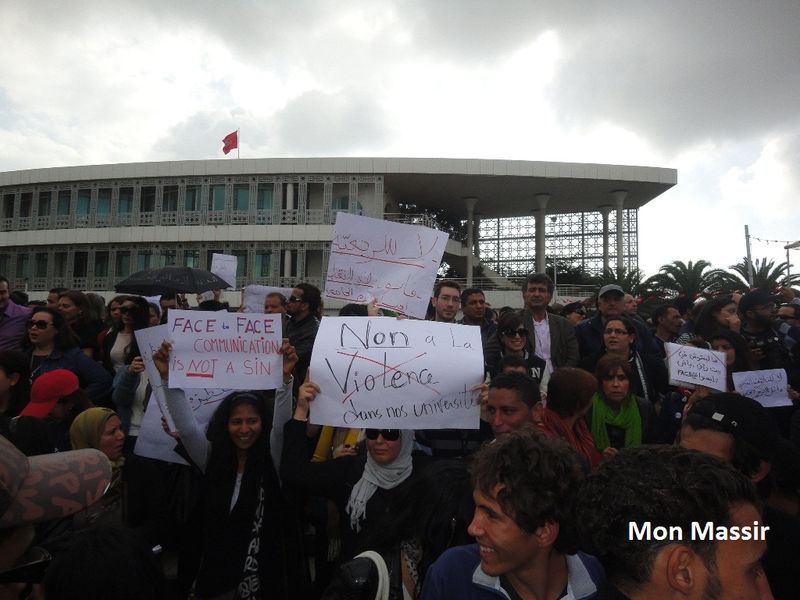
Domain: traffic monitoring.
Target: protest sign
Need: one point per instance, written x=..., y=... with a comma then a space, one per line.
x=149, y=340
x=153, y=442
x=220, y=349
x=381, y=372
x=254, y=296
x=224, y=266
x=395, y=264
x=696, y=366
x=769, y=387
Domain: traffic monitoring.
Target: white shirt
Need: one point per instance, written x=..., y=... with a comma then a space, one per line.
x=541, y=333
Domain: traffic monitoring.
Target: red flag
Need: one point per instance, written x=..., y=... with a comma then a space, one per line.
x=230, y=141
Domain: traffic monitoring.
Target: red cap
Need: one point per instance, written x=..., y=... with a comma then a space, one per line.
x=47, y=390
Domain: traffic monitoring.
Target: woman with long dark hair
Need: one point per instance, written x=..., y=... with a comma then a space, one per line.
x=82, y=317
x=717, y=313
x=244, y=549
x=54, y=346
x=123, y=356
x=618, y=417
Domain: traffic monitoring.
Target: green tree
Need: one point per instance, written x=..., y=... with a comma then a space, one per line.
x=690, y=279
x=767, y=275
x=630, y=280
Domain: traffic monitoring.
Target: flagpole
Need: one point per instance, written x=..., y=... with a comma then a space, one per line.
x=239, y=143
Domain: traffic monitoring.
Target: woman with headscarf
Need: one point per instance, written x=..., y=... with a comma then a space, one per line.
x=360, y=484
x=135, y=496
x=247, y=541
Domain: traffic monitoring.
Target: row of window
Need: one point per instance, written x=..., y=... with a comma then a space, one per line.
x=61, y=200
x=125, y=262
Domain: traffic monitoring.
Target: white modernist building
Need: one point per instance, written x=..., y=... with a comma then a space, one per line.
x=87, y=227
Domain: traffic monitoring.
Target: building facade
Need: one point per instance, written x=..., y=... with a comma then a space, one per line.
x=88, y=227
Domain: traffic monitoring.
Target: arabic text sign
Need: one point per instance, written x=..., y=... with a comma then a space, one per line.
x=697, y=366
x=220, y=349
x=381, y=372
x=769, y=387
x=391, y=262
x=224, y=266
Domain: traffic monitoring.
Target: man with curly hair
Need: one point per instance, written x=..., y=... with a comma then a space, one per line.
x=525, y=547
x=668, y=522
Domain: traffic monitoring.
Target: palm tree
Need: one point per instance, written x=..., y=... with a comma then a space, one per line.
x=688, y=279
x=630, y=280
x=767, y=275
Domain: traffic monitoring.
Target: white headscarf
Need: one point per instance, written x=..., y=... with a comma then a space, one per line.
x=380, y=476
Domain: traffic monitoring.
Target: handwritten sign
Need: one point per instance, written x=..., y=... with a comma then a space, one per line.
x=149, y=340
x=391, y=262
x=154, y=443
x=255, y=295
x=224, y=266
x=381, y=372
x=696, y=366
x=221, y=349
x=769, y=387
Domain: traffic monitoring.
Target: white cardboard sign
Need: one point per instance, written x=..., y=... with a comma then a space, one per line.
x=255, y=295
x=237, y=351
x=769, y=387
x=224, y=266
x=394, y=263
x=150, y=340
x=696, y=366
x=154, y=443
x=381, y=372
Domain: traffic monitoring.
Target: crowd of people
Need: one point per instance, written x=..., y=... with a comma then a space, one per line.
x=590, y=475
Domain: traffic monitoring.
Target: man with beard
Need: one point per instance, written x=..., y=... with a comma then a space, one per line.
x=641, y=513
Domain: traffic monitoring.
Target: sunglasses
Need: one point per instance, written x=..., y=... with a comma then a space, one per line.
x=390, y=435
x=37, y=324
x=128, y=309
x=521, y=332
x=295, y=299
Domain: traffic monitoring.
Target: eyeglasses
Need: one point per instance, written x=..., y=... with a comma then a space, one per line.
x=38, y=324
x=521, y=332
x=617, y=331
x=390, y=435
x=295, y=299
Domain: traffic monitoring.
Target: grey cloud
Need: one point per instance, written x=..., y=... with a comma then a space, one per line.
x=317, y=124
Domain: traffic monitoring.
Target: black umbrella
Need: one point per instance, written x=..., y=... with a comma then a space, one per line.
x=170, y=280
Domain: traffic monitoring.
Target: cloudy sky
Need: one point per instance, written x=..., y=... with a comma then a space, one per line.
x=711, y=88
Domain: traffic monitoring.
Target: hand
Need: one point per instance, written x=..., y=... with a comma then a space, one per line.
x=341, y=451
x=609, y=453
x=699, y=393
x=372, y=308
x=305, y=395
x=289, y=359
x=173, y=434
x=161, y=359
x=136, y=366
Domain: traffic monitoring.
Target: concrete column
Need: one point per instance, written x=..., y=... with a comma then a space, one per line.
x=470, y=202
x=619, y=203
x=289, y=196
x=287, y=263
x=541, y=200
x=605, y=210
